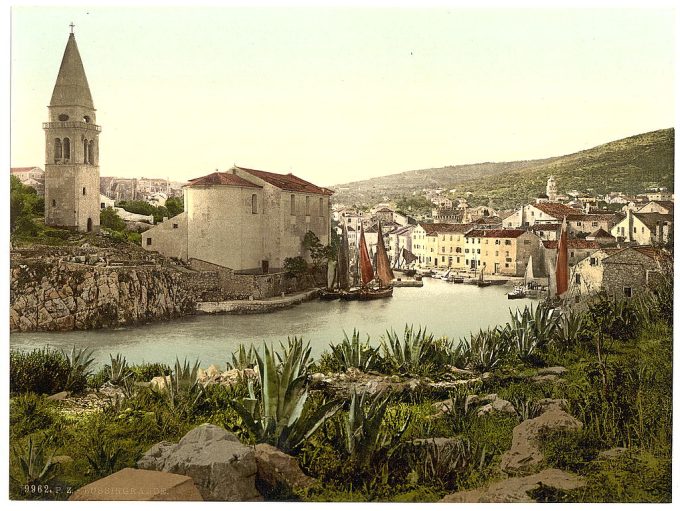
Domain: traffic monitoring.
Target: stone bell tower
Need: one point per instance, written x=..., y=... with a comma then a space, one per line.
x=72, y=148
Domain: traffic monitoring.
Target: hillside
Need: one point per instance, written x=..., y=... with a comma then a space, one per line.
x=628, y=165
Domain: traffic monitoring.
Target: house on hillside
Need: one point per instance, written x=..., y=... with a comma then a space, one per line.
x=665, y=207
x=623, y=272
x=245, y=220
x=501, y=251
x=583, y=224
x=644, y=228
x=541, y=213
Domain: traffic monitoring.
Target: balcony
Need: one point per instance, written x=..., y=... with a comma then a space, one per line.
x=72, y=124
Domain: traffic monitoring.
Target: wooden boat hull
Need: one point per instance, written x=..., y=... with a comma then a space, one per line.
x=516, y=296
x=483, y=284
x=458, y=280
x=325, y=294
x=374, y=294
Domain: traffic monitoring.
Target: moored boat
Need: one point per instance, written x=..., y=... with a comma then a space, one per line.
x=517, y=292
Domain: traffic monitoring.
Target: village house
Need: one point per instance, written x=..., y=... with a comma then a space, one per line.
x=542, y=213
x=644, y=228
x=660, y=194
x=577, y=249
x=548, y=232
x=30, y=176
x=501, y=251
x=400, y=238
x=244, y=219
x=665, y=207
x=602, y=237
x=451, y=245
x=624, y=272
x=106, y=202
x=582, y=223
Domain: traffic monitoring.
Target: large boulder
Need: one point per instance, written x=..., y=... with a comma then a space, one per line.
x=516, y=489
x=278, y=473
x=222, y=468
x=134, y=484
x=525, y=456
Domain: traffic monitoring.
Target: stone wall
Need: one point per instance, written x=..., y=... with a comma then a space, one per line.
x=48, y=296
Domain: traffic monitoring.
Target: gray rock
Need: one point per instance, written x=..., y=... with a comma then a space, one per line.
x=556, y=370
x=59, y=396
x=277, y=471
x=221, y=467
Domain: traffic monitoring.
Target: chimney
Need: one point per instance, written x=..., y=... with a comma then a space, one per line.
x=630, y=225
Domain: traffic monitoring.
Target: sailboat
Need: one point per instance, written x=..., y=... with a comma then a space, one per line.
x=521, y=291
x=383, y=275
x=481, y=282
x=338, y=272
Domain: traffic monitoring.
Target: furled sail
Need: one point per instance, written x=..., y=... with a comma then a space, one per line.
x=343, y=261
x=562, y=268
x=382, y=266
x=330, y=274
x=529, y=272
x=364, y=260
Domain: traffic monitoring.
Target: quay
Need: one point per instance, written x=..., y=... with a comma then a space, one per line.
x=256, y=306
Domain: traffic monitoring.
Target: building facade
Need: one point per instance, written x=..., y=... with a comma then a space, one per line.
x=246, y=220
x=72, y=149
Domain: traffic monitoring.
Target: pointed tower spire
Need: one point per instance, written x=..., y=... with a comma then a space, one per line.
x=71, y=88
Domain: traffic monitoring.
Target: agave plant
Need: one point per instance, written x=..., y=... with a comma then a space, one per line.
x=459, y=412
x=118, y=369
x=363, y=431
x=242, y=359
x=459, y=355
x=526, y=407
x=532, y=329
x=33, y=464
x=354, y=353
x=448, y=464
x=486, y=349
x=415, y=352
x=571, y=329
x=276, y=412
x=78, y=362
x=183, y=390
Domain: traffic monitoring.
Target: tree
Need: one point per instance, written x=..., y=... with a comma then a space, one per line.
x=109, y=218
x=24, y=203
x=175, y=206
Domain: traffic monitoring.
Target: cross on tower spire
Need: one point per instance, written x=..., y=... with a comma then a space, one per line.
x=72, y=26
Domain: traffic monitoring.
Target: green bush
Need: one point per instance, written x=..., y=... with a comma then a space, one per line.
x=571, y=451
x=147, y=371
x=43, y=371
x=29, y=413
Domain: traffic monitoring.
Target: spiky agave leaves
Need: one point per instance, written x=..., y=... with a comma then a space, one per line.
x=486, y=349
x=79, y=362
x=276, y=413
x=354, y=353
x=242, y=359
x=34, y=465
x=413, y=353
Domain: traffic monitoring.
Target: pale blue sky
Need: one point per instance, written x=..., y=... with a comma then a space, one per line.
x=341, y=94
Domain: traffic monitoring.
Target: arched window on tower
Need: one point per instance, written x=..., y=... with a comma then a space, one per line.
x=90, y=152
x=57, y=150
x=67, y=149
x=84, y=151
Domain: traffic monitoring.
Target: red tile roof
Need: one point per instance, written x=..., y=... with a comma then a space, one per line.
x=495, y=233
x=223, y=179
x=555, y=209
x=600, y=233
x=287, y=182
x=18, y=170
x=432, y=229
x=575, y=243
x=546, y=227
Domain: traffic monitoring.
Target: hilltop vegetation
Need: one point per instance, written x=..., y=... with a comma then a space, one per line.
x=628, y=165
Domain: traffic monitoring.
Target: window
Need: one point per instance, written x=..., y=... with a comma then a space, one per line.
x=527, y=242
x=253, y=204
x=292, y=204
x=634, y=229
x=627, y=292
x=63, y=117
x=57, y=149
x=90, y=152
x=572, y=254
x=84, y=151
x=83, y=190
x=595, y=224
x=498, y=242
x=66, y=144
x=54, y=203
x=307, y=205
x=508, y=259
x=578, y=224
x=478, y=251
x=103, y=205
x=593, y=261
x=507, y=265
x=175, y=226
x=148, y=241
x=496, y=253
x=577, y=278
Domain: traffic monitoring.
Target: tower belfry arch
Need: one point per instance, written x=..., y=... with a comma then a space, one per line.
x=72, y=148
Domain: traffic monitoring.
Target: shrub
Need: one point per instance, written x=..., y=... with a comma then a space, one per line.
x=29, y=413
x=569, y=450
x=417, y=352
x=295, y=266
x=43, y=371
x=146, y=372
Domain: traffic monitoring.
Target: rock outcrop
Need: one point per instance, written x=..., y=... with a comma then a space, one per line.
x=525, y=455
x=516, y=489
x=278, y=473
x=222, y=468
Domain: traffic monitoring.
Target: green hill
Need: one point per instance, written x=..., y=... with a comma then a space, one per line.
x=629, y=165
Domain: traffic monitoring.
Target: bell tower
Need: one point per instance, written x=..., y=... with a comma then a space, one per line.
x=72, y=148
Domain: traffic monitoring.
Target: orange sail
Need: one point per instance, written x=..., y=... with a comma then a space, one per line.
x=562, y=268
x=382, y=262
x=364, y=260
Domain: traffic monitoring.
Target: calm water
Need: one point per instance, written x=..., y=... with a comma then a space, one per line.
x=446, y=309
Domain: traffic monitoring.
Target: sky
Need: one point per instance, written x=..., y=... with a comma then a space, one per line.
x=341, y=94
